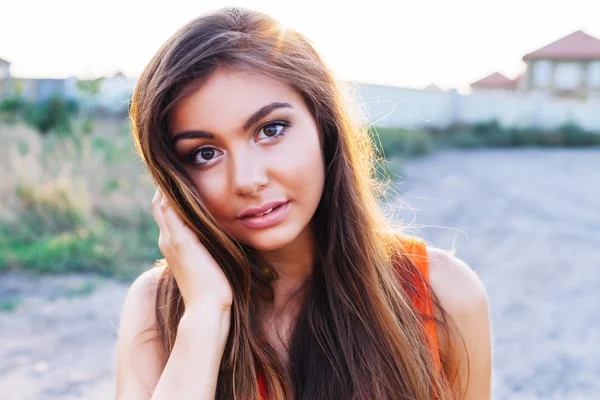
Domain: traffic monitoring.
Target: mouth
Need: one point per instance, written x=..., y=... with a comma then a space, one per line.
x=262, y=209
x=269, y=217
x=264, y=213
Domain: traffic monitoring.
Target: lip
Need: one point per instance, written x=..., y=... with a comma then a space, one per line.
x=267, y=220
x=261, y=209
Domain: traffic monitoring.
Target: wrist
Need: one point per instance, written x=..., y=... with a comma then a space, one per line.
x=206, y=316
x=206, y=307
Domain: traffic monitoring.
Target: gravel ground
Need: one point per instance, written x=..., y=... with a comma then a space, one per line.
x=528, y=221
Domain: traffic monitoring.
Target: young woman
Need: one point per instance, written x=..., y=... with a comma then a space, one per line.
x=281, y=278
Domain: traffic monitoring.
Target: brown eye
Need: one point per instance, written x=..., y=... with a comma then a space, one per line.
x=274, y=130
x=271, y=130
x=207, y=153
x=204, y=156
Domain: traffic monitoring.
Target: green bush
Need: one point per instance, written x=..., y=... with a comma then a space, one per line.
x=492, y=134
x=54, y=114
x=11, y=107
x=464, y=139
x=402, y=143
x=573, y=135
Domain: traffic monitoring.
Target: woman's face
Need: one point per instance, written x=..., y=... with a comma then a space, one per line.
x=250, y=143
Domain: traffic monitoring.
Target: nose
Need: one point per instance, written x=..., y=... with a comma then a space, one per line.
x=249, y=174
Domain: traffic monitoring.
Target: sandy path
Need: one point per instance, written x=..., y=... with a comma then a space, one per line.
x=532, y=219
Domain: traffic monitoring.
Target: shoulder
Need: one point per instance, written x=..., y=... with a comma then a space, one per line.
x=147, y=283
x=467, y=342
x=138, y=314
x=457, y=286
x=139, y=306
x=140, y=358
x=142, y=293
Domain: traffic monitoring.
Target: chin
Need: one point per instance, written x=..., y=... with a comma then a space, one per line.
x=269, y=239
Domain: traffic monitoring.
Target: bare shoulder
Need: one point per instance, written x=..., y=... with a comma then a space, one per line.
x=146, y=284
x=455, y=283
x=140, y=301
x=467, y=342
x=140, y=358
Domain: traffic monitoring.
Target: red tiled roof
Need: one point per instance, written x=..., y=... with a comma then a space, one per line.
x=433, y=88
x=494, y=81
x=578, y=45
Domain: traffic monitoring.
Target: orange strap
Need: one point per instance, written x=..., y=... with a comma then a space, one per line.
x=416, y=250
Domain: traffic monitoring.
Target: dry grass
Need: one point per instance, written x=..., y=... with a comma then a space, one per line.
x=82, y=199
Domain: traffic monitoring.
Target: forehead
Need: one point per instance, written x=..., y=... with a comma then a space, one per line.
x=227, y=98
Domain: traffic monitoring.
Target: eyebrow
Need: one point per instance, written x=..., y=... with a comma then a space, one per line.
x=263, y=111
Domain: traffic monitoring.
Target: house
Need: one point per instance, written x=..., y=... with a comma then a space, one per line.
x=495, y=82
x=568, y=67
x=433, y=88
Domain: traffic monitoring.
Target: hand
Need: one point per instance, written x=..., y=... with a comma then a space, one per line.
x=199, y=277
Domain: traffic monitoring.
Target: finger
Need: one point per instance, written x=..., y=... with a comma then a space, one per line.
x=159, y=217
x=179, y=231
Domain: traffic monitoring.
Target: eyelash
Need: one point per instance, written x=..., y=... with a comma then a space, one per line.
x=191, y=157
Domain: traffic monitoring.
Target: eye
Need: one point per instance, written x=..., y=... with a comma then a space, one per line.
x=203, y=155
x=273, y=130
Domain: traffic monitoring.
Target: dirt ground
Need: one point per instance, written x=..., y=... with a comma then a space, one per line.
x=527, y=221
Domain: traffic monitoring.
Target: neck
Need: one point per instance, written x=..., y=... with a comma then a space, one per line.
x=294, y=265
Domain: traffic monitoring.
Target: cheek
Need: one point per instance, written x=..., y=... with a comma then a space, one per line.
x=213, y=192
x=300, y=164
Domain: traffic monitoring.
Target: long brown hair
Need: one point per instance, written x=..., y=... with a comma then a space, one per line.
x=357, y=335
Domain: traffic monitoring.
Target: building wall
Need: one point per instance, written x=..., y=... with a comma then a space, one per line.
x=574, y=79
x=492, y=90
x=115, y=93
x=4, y=75
x=4, y=70
x=410, y=108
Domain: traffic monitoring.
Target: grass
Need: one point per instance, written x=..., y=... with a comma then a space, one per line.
x=75, y=203
x=10, y=304
x=82, y=289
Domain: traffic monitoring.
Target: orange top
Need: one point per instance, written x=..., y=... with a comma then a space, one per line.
x=415, y=249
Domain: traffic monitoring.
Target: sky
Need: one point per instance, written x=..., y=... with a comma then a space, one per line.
x=451, y=43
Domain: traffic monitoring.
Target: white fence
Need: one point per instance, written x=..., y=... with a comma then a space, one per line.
x=413, y=108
